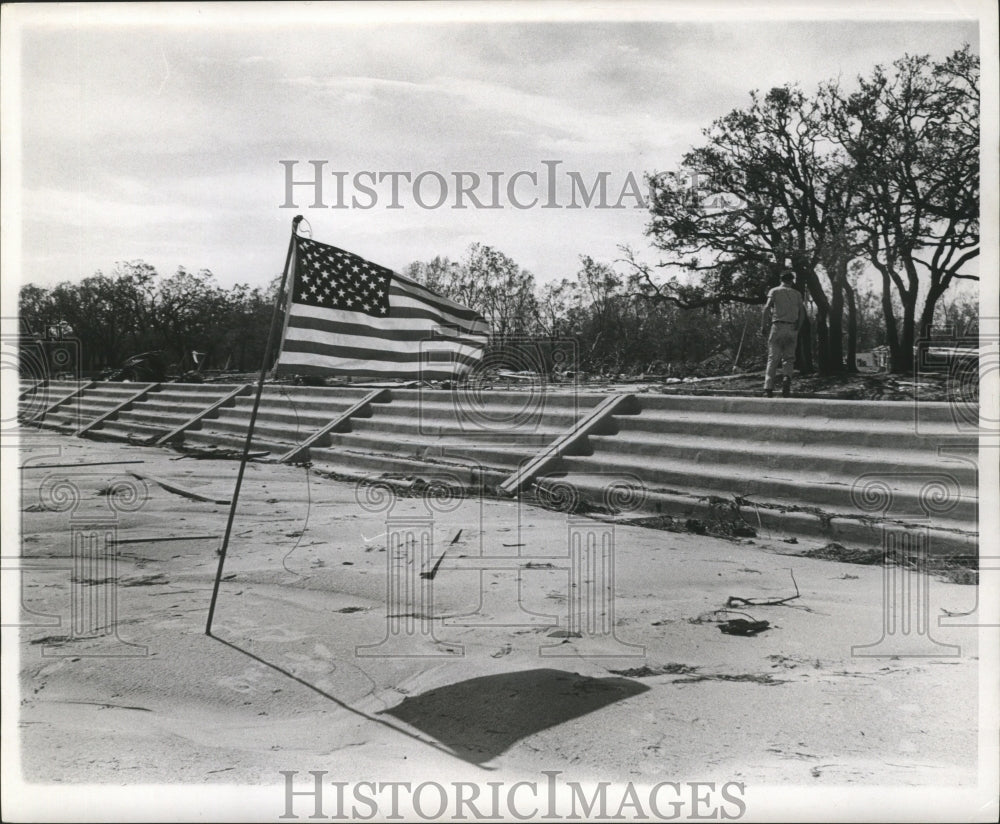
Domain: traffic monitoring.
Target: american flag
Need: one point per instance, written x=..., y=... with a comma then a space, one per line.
x=349, y=316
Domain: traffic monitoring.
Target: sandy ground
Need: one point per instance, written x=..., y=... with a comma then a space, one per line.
x=281, y=686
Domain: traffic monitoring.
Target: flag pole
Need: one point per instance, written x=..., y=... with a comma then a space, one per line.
x=253, y=420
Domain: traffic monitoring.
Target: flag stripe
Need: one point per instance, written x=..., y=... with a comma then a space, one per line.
x=411, y=314
x=408, y=368
x=328, y=343
x=412, y=329
x=401, y=286
x=403, y=306
x=411, y=362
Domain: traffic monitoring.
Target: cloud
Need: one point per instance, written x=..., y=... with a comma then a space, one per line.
x=143, y=140
x=548, y=121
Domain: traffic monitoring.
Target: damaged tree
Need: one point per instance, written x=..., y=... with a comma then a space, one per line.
x=782, y=197
x=885, y=177
x=912, y=135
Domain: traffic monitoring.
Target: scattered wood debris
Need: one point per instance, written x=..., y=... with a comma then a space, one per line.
x=155, y=539
x=765, y=679
x=650, y=672
x=737, y=601
x=215, y=453
x=170, y=486
x=81, y=463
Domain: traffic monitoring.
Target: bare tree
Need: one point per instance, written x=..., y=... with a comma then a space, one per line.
x=913, y=135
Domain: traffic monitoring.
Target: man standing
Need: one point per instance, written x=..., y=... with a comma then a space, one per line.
x=783, y=314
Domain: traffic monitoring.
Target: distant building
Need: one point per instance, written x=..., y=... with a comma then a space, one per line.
x=874, y=360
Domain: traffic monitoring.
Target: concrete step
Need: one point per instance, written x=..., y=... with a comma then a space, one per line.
x=368, y=465
x=229, y=440
x=472, y=399
x=755, y=427
x=295, y=412
x=783, y=486
x=92, y=403
x=415, y=429
x=802, y=408
x=128, y=430
x=157, y=413
x=49, y=396
x=844, y=463
x=362, y=464
x=432, y=422
x=318, y=400
x=38, y=396
x=943, y=537
x=81, y=410
x=232, y=425
x=172, y=409
x=55, y=387
x=288, y=417
x=208, y=392
x=65, y=421
x=140, y=413
x=507, y=456
x=310, y=394
x=104, y=389
x=285, y=424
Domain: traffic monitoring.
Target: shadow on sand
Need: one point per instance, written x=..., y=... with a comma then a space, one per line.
x=480, y=718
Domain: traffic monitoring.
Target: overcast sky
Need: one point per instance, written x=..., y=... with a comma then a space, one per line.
x=162, y=139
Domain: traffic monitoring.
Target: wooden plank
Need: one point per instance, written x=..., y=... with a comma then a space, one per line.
x=138, y=396
x=81, y=463
x=40, y=416
x=177, y=489
x=580, y=429
x=378, y=396
x=214, y=407
x=155, y=539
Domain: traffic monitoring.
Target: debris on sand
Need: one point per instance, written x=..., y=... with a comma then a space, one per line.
x=838, y=552
x=954, y=569
x=218, y=453
x=746, y=626
x=764, y=678
x=154, y=580
x=737, y=601
x=650, y=672
x=177, y=489
x=52, y=639
x=741, y=626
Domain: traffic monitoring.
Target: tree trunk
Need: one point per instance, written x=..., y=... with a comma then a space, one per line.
x=836, y=343
x=926, y=324
x=904, y=363
x=822, y=330
x=896, y=355
x=852, y=328
x=803, y=346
